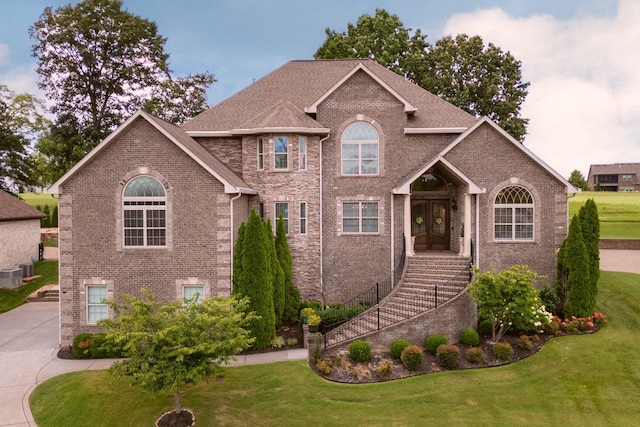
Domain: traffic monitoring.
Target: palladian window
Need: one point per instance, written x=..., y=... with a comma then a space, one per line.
x=144, y=213
x=513, y=214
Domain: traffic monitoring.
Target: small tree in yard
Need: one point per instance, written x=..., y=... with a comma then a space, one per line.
x=573, y=282
x=590, y=224
x=170, y=345
x=509, y=299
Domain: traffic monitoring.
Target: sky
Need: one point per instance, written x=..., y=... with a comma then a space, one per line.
x=581, y=57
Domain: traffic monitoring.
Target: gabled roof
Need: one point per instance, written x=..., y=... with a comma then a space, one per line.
x=282, y=117
x=14, y=209
x=405, y=186
x=485, y=120
x=305, y=84
x=615, y=169
x=232, y=183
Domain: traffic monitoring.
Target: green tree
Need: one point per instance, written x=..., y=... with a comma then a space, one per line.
x=482, y=80
x=577, y=180
x=292, y=294
x=573, y=273
x=171, y=345
x=238, y=288
x=590, y=224
x=509, y=299
x=255, y=281
x=100, y=63
x=277, y=276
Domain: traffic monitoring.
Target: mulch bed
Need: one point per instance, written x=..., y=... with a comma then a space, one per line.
x=345, y=370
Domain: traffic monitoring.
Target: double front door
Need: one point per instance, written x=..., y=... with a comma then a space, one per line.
x=430, y=224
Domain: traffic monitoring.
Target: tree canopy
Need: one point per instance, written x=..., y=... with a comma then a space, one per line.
x=577, y=180
x=482, y=80
x=98, y=64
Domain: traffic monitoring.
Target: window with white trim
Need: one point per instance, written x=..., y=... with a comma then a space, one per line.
x=96, y=305
x=260, y=154
x=513, y=214
x=189, y=292
x=281, y=153
x=302, y=153
x=303, y=218
x=144, y=217
x=360, y=217
x=282, y=210
x=360, y=149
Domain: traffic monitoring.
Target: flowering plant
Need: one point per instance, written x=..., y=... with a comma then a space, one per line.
x=306, y=312
x=314, y=320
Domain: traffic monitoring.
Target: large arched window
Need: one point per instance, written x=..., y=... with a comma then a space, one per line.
x=144, y=212
x=360, y=149
x=513, y=214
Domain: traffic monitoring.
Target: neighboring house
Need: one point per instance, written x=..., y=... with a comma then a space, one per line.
x=19, y=231
x=365, y=168
x=615, y=177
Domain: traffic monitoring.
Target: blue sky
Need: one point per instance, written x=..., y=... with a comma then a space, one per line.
x=580, y=56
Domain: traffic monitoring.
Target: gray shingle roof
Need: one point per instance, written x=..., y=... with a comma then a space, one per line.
x=615, y=169
x=13, y=209
x=302, y=83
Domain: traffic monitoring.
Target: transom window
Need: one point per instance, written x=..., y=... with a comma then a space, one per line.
x=360, y=217
x=282, y=210
x=360, y=149
x=96, y=306
x=513, y=214
x=144, y=213
x=281, y=152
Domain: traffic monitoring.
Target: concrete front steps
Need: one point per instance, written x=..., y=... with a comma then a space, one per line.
x=427, y=283
x=45, y=294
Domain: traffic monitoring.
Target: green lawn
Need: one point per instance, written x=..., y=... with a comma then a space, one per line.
x=572, y=381
x=12, y=298
x=619, y=213
x=35, y=199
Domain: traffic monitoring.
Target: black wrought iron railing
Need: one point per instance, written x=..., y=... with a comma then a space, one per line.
x=381, y=316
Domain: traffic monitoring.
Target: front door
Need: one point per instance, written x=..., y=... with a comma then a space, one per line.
x=430, y=224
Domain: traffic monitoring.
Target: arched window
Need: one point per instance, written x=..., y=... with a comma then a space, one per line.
x=513, y=214
x=360, y=149
x=144, y=212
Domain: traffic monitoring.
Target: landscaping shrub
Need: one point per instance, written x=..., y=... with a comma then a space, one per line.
x=475, y=355
x=385, y=369
x=549, y=298
x=412, y=357
x=485, y=328
x=397, y=346
x=292, y=342
x=360, y=351
x=503, y=350
x=99, y=348
x=360, y=372
x=277, y=342
x=470, y=337
x=434, y=341
x=448, y=355
x=81, y=345
x=339, y=313
x=525, y=343
x=315, y=305
x=324, y=366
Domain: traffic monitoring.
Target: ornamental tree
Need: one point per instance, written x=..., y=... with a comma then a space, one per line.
x=509, y=299
x=170, y=345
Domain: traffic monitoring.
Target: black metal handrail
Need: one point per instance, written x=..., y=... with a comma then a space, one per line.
x=381, y=316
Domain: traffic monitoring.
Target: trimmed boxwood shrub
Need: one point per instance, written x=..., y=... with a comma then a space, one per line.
x=503, y=350
x=412, y=357
x=81, y=346
x=360, y=351
x=485, y=328
x=470, y=337
x=434, y=341
x=448, y=355
x=397, y=346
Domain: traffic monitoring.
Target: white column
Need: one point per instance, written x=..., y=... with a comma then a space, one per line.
x=407, y=225
x=467, y=225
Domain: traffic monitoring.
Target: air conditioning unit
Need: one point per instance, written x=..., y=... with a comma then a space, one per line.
x=27, y=269
x=10, y=277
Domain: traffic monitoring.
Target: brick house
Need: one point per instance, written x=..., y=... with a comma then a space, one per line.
x=19, y=231
x=365, y=167
x=615, y=177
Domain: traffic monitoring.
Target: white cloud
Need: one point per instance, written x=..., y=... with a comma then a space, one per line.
x=4, y=54
x=584, y=98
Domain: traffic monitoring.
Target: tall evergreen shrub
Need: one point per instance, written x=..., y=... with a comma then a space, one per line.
x=576, y=263
x=46, y=221
x=590, y=224
x=238, y=284
x=277, y=276
x=291, y=292
x=54, y=217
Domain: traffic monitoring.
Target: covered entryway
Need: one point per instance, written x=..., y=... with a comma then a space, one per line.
x=430, y=227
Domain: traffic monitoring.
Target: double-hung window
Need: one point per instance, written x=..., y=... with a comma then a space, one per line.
x=144, y=213
x=282, y=210
x=96, y=305
x=513, y=214
x=260, y=154
x=360, y=149
x=360, y=217
x=281, y=152
x=302, y=153
x=190, y=292
x=303, y=217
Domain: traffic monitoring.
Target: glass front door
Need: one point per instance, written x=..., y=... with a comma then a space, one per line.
x=430, y=224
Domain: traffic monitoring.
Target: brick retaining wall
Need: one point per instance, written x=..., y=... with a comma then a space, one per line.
x=624, y=244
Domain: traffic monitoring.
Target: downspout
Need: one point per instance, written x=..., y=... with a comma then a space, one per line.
x=393, y=228
x=477, y=245
x=231, y=240
x=320, y=222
